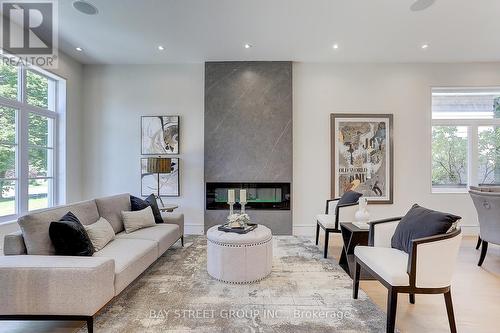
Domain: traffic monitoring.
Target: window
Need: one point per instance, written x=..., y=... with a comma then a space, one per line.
x=29, y=118
x=465, y=138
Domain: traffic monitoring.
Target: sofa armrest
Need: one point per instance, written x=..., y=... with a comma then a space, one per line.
x=381, y=231
x=178, y=219
x=13, y=244
x=55, y=285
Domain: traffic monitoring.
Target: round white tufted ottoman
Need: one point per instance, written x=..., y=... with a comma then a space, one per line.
x=239, y=258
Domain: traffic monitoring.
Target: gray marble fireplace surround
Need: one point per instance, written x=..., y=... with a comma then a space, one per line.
x=248, y=132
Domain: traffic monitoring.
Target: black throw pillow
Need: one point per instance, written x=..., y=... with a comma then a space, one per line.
x=139, y=204
x=349, y=197
x=69, y=237
x=420, y=222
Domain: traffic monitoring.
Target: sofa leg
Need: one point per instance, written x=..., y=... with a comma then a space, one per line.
x=355, y=287
x=484, y=249
x=90, y=324
x=412, y=298
x=449, y=310
x=317, y=233
x=392, y=304
x=182, y=241
x=478, y=242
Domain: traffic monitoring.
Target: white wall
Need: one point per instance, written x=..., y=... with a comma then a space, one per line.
x=115, y=98
x=401, y=89
x=72, y=71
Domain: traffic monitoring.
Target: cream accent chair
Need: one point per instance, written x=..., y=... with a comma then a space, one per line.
x=334, y=215
x=427, y=270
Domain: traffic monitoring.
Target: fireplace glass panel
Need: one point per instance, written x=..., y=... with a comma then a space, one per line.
x=273, y=196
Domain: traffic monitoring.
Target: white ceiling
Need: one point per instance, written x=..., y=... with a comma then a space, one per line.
x=129, y=31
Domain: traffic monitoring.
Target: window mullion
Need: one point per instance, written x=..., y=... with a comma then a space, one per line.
x=473, y=156
x=22, y=135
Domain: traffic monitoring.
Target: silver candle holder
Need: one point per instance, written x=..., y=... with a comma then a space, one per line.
x=231, y=208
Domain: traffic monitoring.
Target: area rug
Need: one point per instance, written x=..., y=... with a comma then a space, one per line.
x=304, y=293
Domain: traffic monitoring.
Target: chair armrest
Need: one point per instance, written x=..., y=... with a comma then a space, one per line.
x=177, y=219
x=13, y=244
x=381, y=231
x=55, y=285
x=327, y=210
x=345, y=212
x=432, y=260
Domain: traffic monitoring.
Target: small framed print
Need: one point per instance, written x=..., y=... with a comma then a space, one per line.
x=159, y=135
x=168, y=182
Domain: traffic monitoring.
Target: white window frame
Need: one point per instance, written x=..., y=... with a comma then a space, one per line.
x=472, y=140
x=56, y=191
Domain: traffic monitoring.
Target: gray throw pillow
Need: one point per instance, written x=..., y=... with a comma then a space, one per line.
x=138, y=219
x=100, y=233
x=420, y=222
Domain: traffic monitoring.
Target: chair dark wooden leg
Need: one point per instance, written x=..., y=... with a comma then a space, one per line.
x=484, y=249
x=355, y=286
x=182, y=241
x=449, y=310
x=478, y=242
x=392, y=303
x=412, y=298
x=327, y=236
x=90, y=324
x=317, y=233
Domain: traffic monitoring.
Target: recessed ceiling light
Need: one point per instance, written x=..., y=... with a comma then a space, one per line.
x=247, y=46
x=424, y=46
x=79, y=49
x=161, y=48
x=335, y=46
x=85, y=7
x=419, y=5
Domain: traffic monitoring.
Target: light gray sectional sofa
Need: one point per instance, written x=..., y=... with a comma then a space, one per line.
x=35, y=284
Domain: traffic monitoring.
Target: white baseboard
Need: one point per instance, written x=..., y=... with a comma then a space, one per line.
x=309, y=230
x=194, y=229
x=306, y=230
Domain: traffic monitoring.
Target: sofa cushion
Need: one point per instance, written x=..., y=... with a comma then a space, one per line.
x=35, y=226
x=131, y=256
x=69, y=237
x=100, y=233
x=111, y=209
x=139, y=219
x=165, y=234
x=55, y=285
x=139, y=204
x=420, y=222
x=13, y=244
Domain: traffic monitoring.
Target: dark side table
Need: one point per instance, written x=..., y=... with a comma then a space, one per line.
x=352, y=236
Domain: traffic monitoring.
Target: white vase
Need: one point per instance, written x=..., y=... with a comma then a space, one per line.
x=362, y=214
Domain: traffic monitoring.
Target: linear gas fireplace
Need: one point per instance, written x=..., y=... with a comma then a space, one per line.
x=260, y=196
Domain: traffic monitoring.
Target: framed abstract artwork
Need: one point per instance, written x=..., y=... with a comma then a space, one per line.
x=168, y=182
x=362, y=155
x=159, y=135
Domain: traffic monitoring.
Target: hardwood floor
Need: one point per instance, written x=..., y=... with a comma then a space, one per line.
x=475, y=291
